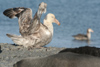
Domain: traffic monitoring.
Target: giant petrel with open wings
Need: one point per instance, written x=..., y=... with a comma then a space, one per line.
x=33, y=32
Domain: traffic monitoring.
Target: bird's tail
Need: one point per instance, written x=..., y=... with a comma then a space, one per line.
x=9, y=35
x=19, y=40
x=13, y=12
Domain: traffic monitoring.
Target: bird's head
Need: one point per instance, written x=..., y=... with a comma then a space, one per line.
x=51, y=18
x=90, y=30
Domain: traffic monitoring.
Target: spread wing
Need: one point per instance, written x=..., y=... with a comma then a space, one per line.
x=35, y=23
x=27, y=25
x=25, y=19
x=24, y=16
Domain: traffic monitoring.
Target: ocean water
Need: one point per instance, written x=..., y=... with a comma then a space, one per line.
x=75, y=16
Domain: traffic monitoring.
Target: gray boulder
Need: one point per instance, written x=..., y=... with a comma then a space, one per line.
x=65, y=59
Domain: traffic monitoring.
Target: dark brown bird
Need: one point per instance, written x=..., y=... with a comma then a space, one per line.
x=84, y=37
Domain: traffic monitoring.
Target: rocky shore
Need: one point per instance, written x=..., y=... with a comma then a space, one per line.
x=10, y=54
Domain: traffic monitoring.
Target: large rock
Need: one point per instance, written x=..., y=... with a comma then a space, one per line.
x=11, y=54
x=64, y=59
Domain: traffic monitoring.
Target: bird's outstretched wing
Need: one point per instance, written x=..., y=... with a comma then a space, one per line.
x=35, y=23
x=27, y=24
x=24, y=16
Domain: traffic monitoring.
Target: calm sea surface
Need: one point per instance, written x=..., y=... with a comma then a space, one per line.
x=75, y=16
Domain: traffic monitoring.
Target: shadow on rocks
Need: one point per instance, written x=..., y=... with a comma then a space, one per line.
x=0, y=49
x=14, y=44
x=93, y=51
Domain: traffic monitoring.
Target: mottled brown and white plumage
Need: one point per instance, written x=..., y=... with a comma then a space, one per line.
x=36, y=34
x=83, y=36
x=27, y=24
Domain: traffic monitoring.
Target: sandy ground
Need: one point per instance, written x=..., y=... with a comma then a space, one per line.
x=10, y=54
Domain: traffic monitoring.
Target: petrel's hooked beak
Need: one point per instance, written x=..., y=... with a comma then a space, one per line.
x=56, y=21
